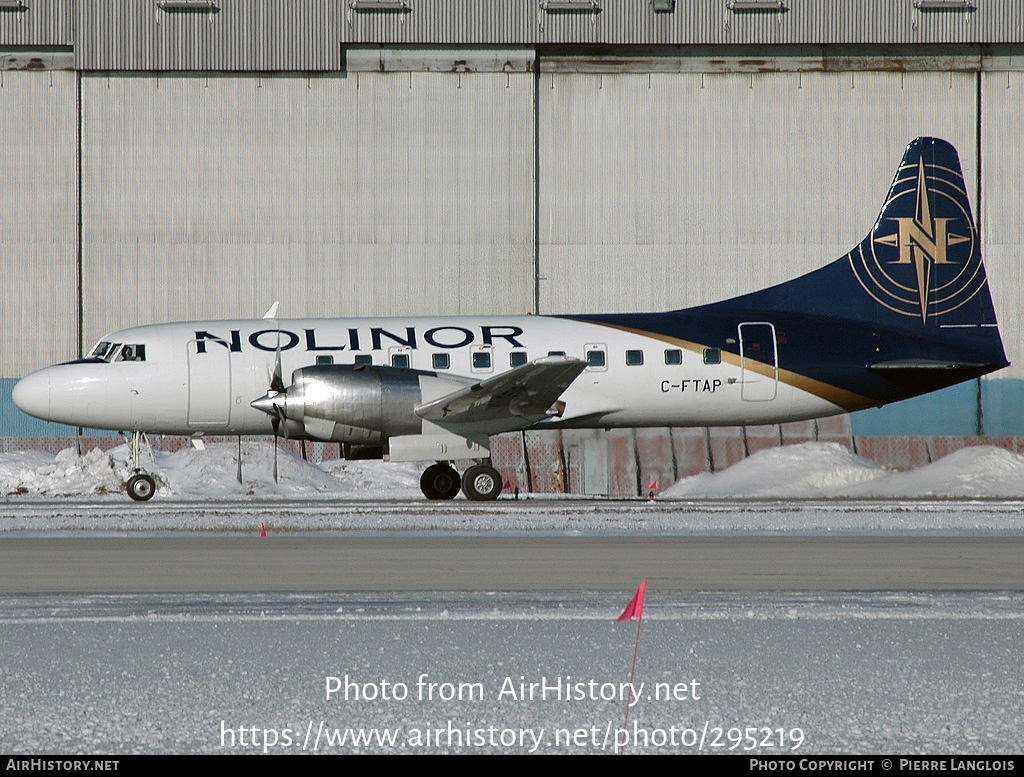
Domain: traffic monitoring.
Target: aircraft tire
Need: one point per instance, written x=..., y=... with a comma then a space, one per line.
x=439, y=481
x=481, y=483
x=141, y=487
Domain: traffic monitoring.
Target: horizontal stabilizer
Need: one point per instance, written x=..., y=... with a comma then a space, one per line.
x=512, y=400
x=916, y=365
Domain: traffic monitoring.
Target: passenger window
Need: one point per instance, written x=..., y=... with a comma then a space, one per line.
x=712, y=355
x=517, y=358
x=482, y=360
x=441, y=361
x=363, y=358
x=673, y=356
x=556, y=353
x=634, y=358
x=324, y=360
x=595, y=358
x=400, y=360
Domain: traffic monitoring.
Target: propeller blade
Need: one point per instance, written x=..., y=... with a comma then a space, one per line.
x=275, y=422
x=273, y=403
x=277, y=380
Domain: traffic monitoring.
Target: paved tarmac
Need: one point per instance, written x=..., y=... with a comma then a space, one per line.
x=493, y=562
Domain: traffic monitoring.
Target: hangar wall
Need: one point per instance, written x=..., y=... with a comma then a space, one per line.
x=38, y=246
x=444, y=158
x=686, y=188
x=339, y=195
x=419, y=192
x=1002, y=171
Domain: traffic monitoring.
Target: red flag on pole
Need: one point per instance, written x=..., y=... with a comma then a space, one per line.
x=635, y=608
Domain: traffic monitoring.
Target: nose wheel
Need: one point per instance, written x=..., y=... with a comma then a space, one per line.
x=140, y=486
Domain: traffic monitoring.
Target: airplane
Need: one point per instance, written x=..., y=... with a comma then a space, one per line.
x=907, y=311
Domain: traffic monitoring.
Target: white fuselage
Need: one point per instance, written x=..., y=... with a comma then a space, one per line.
x=200, y=377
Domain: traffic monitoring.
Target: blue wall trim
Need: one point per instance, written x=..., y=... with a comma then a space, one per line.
x=952, y=411
x=1002, y=406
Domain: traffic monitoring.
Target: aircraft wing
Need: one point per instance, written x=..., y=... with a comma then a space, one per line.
x=513, y=400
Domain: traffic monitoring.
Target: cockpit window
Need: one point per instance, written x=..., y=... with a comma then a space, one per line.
x=100, y=351
x=132, y=353
x=116, y=352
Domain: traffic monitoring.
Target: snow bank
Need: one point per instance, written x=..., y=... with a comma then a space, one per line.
x=815, y=470
x=208, y=474
x=811, y=470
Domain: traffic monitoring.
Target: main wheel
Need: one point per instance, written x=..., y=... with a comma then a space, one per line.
x=482, y=483
x=141, y=487
x=439, y=481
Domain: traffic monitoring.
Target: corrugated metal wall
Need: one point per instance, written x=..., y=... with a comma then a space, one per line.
x=38, y=23
x=371, y=194
x=308, y=35
x=661, y=191
x=687, y=156
x=38, y=296
x=232, y=35
x=257, y=35
x=1003, y=234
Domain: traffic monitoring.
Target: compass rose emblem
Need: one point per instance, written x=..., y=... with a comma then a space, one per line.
x=922, y=258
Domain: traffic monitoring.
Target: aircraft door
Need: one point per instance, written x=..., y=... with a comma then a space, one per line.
x=759, y=361
x=209, y=385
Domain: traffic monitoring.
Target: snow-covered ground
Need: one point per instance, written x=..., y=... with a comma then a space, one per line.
x=795, y=675
x=792, y=674
x=808, y=471
x=210, y=474
x=831, y=470
x=810, y=488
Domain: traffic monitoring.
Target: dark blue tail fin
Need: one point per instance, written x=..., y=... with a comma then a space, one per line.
x=919, y=269
x=922, y=260
x=910, y=304
x=905, y=312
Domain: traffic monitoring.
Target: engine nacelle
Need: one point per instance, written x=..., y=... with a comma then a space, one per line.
x=359, y=404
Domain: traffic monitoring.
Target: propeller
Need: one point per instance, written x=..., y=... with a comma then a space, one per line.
x=275, y=402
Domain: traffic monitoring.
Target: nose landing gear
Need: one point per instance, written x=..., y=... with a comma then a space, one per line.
x=141, y=486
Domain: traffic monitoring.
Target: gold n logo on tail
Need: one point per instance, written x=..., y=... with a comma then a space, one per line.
x=922, y=240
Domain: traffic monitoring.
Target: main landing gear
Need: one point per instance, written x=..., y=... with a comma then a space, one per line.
x=141, y=486
x=481, y=482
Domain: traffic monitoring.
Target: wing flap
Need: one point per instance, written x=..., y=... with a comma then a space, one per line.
x=513, y=400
